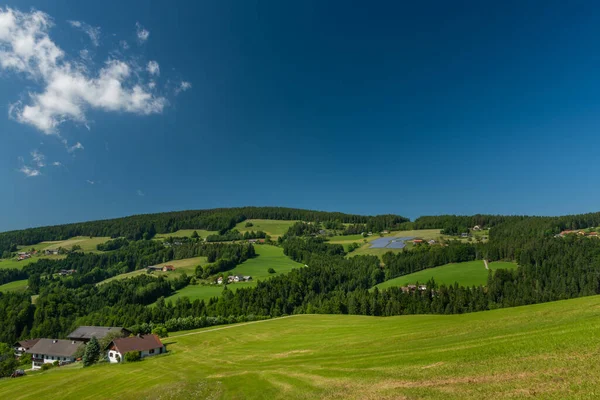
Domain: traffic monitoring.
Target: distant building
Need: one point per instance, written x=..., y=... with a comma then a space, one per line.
x=476, y=228
x=431, y=241
x=385, y=232
x=64, y=272
x=220, y=280
x=47, y=351
x=417, y=241
x=51, y=252
x=151, y=268
x=145, y=345
x=22, y=346
x=464, y=235
x=85, y=333
x=168, y=268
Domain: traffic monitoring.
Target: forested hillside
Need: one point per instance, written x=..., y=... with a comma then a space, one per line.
x=221, y=219
x=550, y=268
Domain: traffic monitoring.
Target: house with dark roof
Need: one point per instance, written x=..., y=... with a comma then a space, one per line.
x=23, y=345
x=145, y=345
x=47, y=351
x=85, y=333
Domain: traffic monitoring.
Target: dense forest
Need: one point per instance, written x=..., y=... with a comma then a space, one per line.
x=221, y=219
x=549, y=268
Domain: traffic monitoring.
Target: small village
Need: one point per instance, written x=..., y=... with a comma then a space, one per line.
x=118, y=343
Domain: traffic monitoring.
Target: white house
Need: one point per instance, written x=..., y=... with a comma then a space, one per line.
x=47, y=351
x=146, y=345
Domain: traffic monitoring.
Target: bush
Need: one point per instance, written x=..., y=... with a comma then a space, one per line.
x=160, y=331
x=46, y=367
x=271, y=271
x=56, y=363
x=249, y=224
x=25, y=359
x=133, y=356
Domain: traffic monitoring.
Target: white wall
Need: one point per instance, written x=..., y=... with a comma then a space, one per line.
x=48, y=359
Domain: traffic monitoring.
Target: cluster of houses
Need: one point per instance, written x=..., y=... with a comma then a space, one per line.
x=413, y=288
x=65, y=272
x=234, y=279
x=255, y=241
x=580, y=233
x=49, y=351
x=164, y=268
x=23, y=255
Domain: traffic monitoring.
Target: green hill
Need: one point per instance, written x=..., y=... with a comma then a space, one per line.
x=470, y=273
x=545, y=351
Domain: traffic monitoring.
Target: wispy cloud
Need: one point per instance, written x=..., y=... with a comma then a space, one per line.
x=30, y=172
x=142, y=33
x=92, y=32
x=140, y=193
x=68, y=89
x=153, y=68
x=90, y=182
x=56, y=164
x=183, y=86
x=76, y=146
x=38, y=158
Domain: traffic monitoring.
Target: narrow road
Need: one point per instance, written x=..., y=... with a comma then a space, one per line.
x=486, y=264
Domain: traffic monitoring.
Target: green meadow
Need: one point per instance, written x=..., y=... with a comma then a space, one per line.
x=470, y=273
x=186, y=265
x=547, y=351
x=257, y=267
x=13, y=263
x=271, y=227
x=87, y=244
x=186, y=233
x=14, y=286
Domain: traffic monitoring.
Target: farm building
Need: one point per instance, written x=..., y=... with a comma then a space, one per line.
x=431, y=241
x=85, y=333
x=145, y=345
x=168, y=268
x=47, y=351
x=22, y=346
x=476, y=228
x=151, y=268
x=64, y=272
x=417, y=241
x=51, y=252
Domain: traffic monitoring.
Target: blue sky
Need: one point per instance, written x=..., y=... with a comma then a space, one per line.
x=368, y=108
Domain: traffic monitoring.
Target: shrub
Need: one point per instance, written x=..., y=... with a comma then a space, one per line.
x=249, y=224
x=160, y=331
x=271, y=271
x=133, y=356
x=46, y=367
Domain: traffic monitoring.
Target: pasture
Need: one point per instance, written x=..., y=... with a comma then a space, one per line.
x=540, y=351
x=273, y=228
x=88, y=244
x=14, y=286
x=186, y=233
x=257, y=267
x=470, y=273
x=186, y=265
x=13, y=263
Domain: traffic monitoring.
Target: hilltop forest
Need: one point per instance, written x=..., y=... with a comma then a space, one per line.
x=550, y=267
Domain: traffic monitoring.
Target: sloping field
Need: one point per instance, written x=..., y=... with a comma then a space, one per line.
x=88, y=244
x=268, y=257
x=466, y=274
x=186, y=233
x=271, y=227
x=547, y=351
x=185, y=265
x=14, y=286
x=13, y=263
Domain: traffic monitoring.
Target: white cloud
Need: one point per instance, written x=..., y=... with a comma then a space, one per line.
x=38, y=158
x=153, y=68
x=76, y=146
x=56, y=164
x=90, y=182
x=30, y=172
x=124, y=44
x=142, y=33
x=92, y=32
x=68, y=89
x=140, y=193
x=183, y=86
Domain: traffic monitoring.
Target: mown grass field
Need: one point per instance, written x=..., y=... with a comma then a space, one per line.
x=13, y=263
x=267, y=257
x=87, y=244
x=186, y=265
x=547, y=351
x=271, y=227
x=186, y=233
x=14, y=286
x=470, y=273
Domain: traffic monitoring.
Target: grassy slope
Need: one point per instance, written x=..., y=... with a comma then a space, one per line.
x=268, y=257
x=271, y=227
x=467, y=274
x=187, y=265
x=186, y=233
x=545, y=351
x=14, y=286
x=12, y=263
x=87, y=244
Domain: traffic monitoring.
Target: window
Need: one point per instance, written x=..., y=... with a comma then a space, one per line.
x=151, y=351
